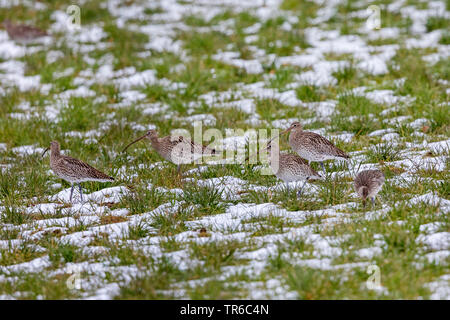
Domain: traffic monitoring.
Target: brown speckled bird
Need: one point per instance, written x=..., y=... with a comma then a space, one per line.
x=73, y=170
x=368, y=183
x=176, y=149
x=312, y=146
x=290, y=167
x=23, y=33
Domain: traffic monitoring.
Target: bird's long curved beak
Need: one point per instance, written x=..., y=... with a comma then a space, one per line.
x=269, y=144
x=43, y=153
x=285, y=131
x=267, y=148
x=138, y=139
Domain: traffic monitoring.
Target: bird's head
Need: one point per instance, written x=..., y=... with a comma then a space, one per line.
x=54, y=147
x=363, y=192
x=294, y=126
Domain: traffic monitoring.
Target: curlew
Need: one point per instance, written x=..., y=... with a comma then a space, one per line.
x=73, y=170
x=176, y=149
x=368, y=183
x=290, y=167
x=312, y=146
x=23, y=33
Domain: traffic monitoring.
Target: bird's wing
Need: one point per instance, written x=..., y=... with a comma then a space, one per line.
x=194, y=147
x=24, y=29
x=324, y=145
x=377, y=176
x=296, y=158
x=81, y=168
x=305, y=163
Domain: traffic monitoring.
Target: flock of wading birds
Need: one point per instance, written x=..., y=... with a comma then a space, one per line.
x=290, y=167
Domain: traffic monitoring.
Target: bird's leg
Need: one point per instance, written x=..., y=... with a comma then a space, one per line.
x=71, y=192
x=373, y=201
x=323, y=167
x=287, y=187
x=299, y=193
x=81, y=192
x=348, y=167
x=178, y=168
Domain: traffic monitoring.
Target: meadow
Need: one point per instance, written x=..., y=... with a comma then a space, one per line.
x=224, y=230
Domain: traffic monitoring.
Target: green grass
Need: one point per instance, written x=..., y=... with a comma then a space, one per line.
x=62, y=253
x=309, y=93
x=13, y=215
x=434, y=23
x=138, y=231
x=346, y=75
x=22, y=253
x=359, y=125
x=203, y=43
x=207, y=199
x=142, y=199
x=169, y=235
x=384, y=152
x=34, y=286
x=215, y=254
x=278, y=41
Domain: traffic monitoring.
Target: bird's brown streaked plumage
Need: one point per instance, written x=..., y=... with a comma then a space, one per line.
x=23, y=33
x=312, y=146
x=73, y=170
x=290, y=167
x=368, y=183
x=176, y=149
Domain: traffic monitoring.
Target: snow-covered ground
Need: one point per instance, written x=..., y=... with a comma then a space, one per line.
x=242, y=221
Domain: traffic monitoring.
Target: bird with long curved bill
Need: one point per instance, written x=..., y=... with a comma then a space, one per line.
x=176, y=149
x=290, y=167
x=312, y=146
x=368, y=183
x=23, y=33
x=73, y=170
